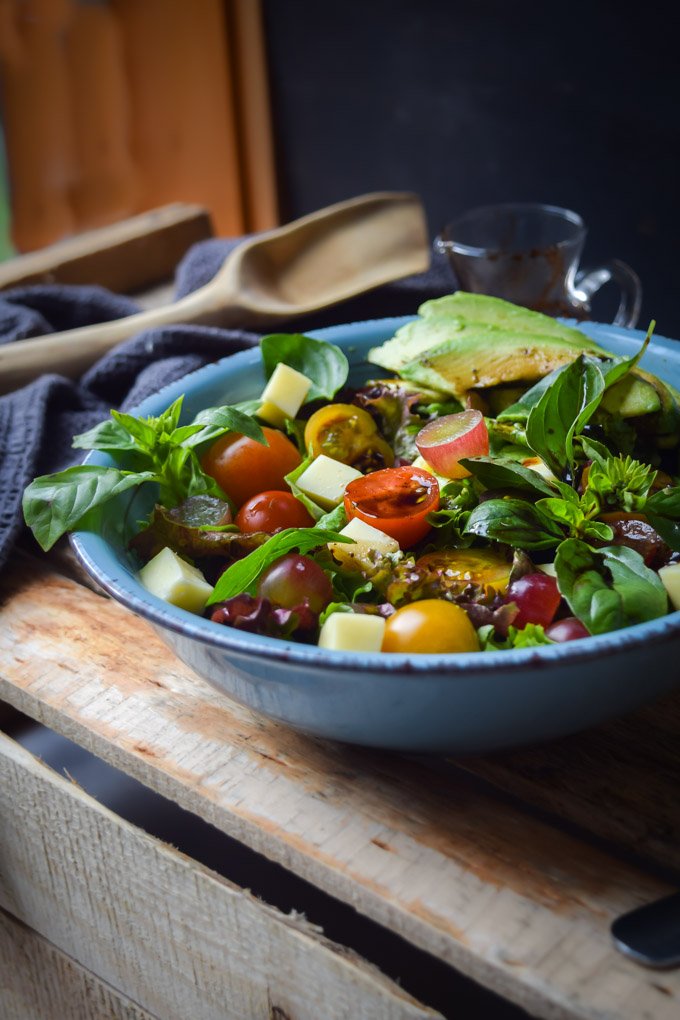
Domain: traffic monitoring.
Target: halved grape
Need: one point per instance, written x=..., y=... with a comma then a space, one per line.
x=537, y=598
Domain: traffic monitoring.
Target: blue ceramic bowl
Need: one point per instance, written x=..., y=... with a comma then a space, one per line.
x=420, y=703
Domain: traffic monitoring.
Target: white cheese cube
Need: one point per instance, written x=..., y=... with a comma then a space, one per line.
x=421, y=463
x=325, y=480
x=283, y=395
x=170, y=578
x=352, y=632
x=360, y=531
x=670, y=578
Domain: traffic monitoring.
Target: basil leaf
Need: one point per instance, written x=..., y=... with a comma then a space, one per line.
x=500, y=474
x=665, y=502
x=515, y=522
x=142, y=430
x=216, y=421
x=322, y=362
x=563, y=410
x=668, y=529
x=608, y=588
x=55, y=504
x=519, y=411
x=242, y=577
x=110, y=436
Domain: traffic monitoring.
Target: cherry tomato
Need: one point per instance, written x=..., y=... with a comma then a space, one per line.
x=272, y=511
x=395, y=500
x=536, y=596
x=349, y=434
x=485, y=567
x=431, y=625
x=242, y=467
x=293, y=580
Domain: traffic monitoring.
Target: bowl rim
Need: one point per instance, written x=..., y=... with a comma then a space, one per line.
x=90, y=547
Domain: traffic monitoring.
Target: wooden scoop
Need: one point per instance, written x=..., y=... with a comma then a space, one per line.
x=312, y=263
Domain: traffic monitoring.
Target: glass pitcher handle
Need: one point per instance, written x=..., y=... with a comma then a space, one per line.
x=588, y=282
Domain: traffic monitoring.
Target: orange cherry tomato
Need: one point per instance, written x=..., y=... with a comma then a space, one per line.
x=349, y=434
x=272, y=511
x=242, y=467
x=430, y=626
x=395, y=500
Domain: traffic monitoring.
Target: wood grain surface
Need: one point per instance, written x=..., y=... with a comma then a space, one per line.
x=484, y=878
x=127, y=256
x=38, y=982
x=179, y=939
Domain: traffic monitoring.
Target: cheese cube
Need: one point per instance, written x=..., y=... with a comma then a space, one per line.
x=283, y=395
x=670, y=578
x=325, y=480
x=352, y=632
x=170, y=578
x=359, y=531
x=421, y=463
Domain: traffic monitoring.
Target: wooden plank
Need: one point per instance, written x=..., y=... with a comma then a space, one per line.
x=619, y=781
x=38, y=982
x=172, y=935
x=127, y=256
x=515, y=903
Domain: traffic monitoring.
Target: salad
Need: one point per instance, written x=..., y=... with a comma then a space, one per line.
x=500, y=481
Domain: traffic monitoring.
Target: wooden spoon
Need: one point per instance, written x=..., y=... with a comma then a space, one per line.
x=312, y=263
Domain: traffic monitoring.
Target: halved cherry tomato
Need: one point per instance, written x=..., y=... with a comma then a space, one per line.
x=485, y=567
x=272, y=511
x=431, y=625
x=396, y=500
x=243, y=467
x=349, y=434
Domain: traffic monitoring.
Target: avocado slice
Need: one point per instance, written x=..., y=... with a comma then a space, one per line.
x=480, y=308
x=631, y=397
x=474, y=355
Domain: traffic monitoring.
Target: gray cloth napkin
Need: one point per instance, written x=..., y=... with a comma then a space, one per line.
x=37, y=422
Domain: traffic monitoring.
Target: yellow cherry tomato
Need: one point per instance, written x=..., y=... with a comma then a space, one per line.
x=349, y=434
x=430, y=626
x=485, y=567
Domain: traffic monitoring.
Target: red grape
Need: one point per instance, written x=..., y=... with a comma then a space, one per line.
x=567, y=629
x=294, y=580
x=537, y=598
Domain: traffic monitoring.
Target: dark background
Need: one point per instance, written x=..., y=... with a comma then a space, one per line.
x=473, y=103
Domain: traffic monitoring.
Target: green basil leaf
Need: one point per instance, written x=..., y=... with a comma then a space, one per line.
x=216, y=421
x=55, y=504
x=142, y=430
x=243, y=575
x=110, y=436
x=322, y=362
x=504, y=474
x=563, y=511
x=597, y=452
x=515, y=522
x=665, y=502
x=519, y=411
x=608, y=588
x=563, y=410
x=168, y=420
x=667, y=528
